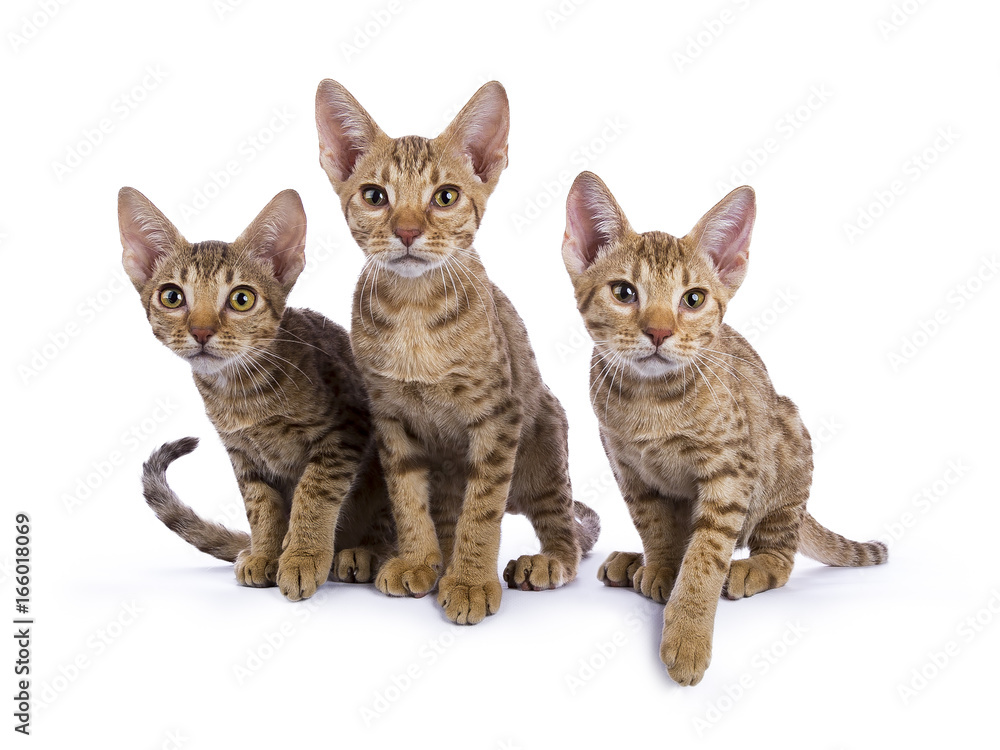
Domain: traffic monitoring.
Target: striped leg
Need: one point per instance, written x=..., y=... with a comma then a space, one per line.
x=689, y=617
x=470, y=589
x=267, y=513
x=772, y=554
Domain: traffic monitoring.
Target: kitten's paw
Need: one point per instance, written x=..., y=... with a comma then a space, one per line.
x=355, y=565
x=467, y=604
x=255, y=570
x=536, y=573
x=619, y=569
x=402, y=577
x=753, y=575
x=655, y=581
x=301, y=572
x=686, y=648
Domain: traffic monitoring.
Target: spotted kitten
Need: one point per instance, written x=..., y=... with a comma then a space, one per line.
x=280, y=386
x=708, y=457
x=466, y=428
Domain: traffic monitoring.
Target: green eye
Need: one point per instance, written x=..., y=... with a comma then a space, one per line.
x=171, y=297
x=694, y=298
x=445, y=197
x=242, y=299
x=623, y=291
x=374, y=195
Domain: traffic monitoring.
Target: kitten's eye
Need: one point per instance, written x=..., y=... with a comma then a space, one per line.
x=171, y=297
x=624, y=292
x=694, y=298
x=374, y=195
x=242, y=299
x=445, y=197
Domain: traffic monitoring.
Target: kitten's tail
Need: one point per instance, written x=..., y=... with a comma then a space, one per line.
x=819, y=543
x=207, y=536
x=590, y=525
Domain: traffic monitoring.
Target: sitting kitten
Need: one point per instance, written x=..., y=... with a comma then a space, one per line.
x=465, y=427
x=708, y=457
x=281, y=388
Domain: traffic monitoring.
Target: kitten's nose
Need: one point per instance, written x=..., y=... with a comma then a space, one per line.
x=202, y=335
x=658, y=335
x=407, y=235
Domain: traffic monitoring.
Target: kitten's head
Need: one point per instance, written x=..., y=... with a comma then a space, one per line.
x=215, y=304
x=412, y=202
x=653, y=300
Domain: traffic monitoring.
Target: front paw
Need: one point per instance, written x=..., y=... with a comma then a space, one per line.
x=686, y=648
x=402, y=577
x=468, y=603
x=256, y=570
x=536, y=573
x=655, y=581
x=355, y=565
x=301, y=572
x=619, y=569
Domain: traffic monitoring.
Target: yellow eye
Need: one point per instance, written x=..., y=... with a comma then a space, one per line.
x=171, y=297
x=242, y=299
x=445, y=197
x=694, y=298
x=623, y=291
x=374, y=195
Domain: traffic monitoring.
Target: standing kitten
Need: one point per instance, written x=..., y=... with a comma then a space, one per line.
x=708, y=457
x=281, y=388
x=466, y=429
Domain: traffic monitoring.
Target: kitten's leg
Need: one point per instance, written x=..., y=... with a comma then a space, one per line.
x=319, y=496
x=415, y=569
x=664, y=525
x=447, y=492
x=470, y=589
x=541, y=491
x=365, y=533
x=689, y=617
x=772, y=554
x=268, y=517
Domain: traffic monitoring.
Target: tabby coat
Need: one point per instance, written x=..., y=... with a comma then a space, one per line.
x=281, y=387
x=707, y=456
x=466, y=429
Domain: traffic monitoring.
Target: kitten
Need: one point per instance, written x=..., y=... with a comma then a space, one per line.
x=466, y=428
x=281, y=388
x=708, y=457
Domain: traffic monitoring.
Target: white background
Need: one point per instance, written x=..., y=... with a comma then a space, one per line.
x=138, y=639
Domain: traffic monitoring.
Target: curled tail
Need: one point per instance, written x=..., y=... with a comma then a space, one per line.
x=590, y=525
x=819, y=543
x=207, y=536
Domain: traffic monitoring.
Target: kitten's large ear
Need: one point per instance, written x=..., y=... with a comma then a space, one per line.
x=593, y=219
x=724, y=234
x=278, y=235
x=479, y=131
x=147, y=235
x=346, y=130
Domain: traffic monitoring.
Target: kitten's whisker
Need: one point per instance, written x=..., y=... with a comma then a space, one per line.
x=741, y=359
x=460, y=266
x=710, y=388
x=721, y=382
x=735, y=373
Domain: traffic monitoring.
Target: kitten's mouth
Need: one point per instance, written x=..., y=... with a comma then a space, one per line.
x=409, y=264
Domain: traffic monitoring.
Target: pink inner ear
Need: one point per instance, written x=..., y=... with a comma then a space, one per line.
x=346, y=131
x=725, y=234
x=480, y=131
x=593, y=219
x=146, y=235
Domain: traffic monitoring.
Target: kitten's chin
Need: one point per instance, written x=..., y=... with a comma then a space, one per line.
x=655, y=366
x=204, y=363
x=409, y=265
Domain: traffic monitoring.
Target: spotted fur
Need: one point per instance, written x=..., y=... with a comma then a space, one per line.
x=281, y=387
x=708, y=457
x=466, y=428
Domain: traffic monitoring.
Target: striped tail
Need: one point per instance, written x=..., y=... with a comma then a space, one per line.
x=819, y=543
x=590, y=525
x=207, y=536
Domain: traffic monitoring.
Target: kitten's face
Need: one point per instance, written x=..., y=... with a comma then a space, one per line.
x=214, y=306
x=412, y=203
x=217, y=305
x=651, y=301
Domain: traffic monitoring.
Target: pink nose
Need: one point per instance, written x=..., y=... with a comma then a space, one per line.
x=202, y=335
x=408, y=235
x=658, y=335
